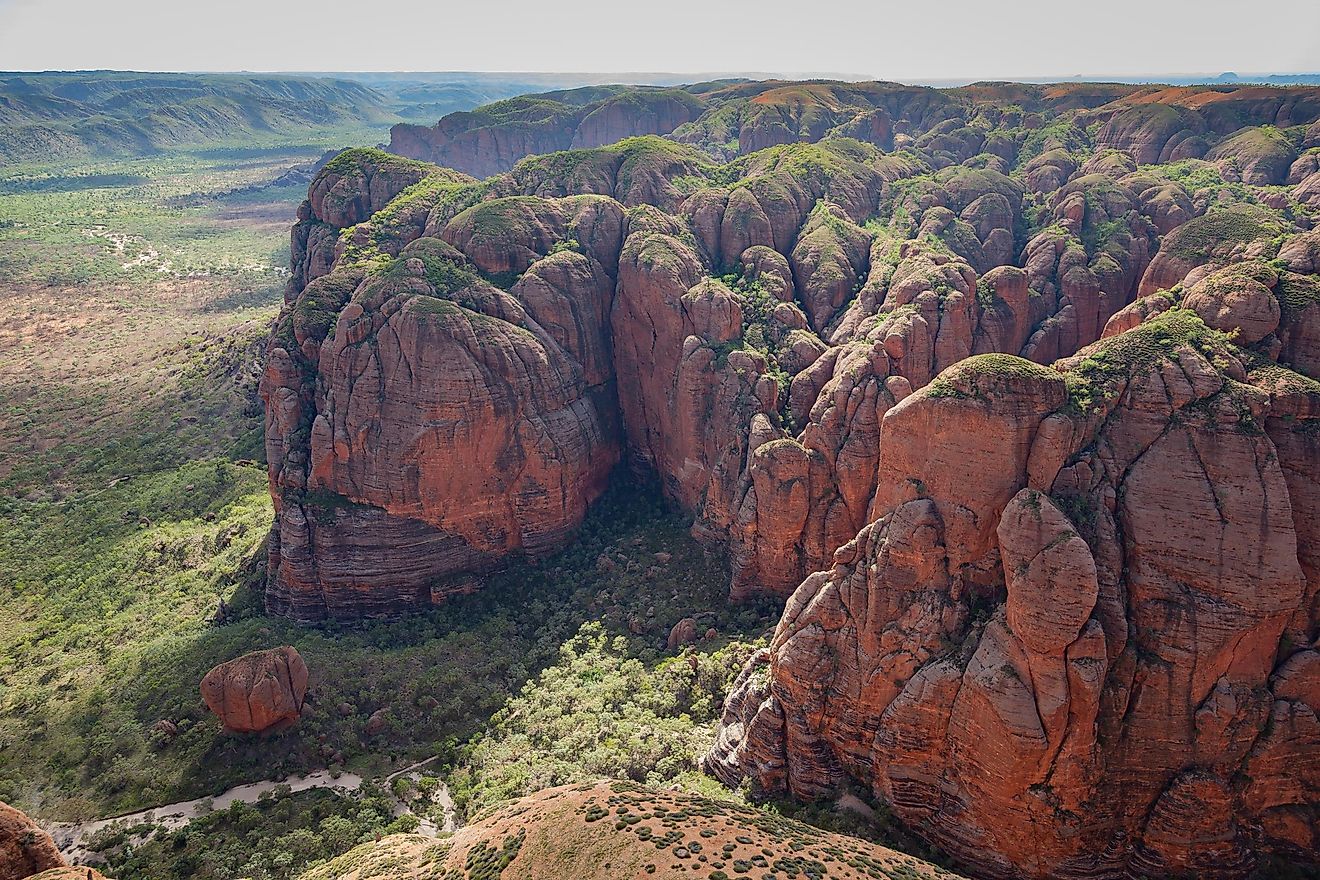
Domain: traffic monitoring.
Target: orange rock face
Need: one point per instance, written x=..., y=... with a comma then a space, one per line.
x=629, y=303
x=257, y=692
x=445, y=420
x=25, y=849
x=1058, y=649
x=1022, y=425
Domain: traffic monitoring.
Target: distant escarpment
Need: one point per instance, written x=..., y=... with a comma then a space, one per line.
x=1022, y=421
x=730, y=118
x=58, y=115
x=492, y=138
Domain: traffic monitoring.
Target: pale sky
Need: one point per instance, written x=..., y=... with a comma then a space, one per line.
x=911, y=39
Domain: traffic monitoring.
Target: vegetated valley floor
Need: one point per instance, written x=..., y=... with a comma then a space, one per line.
x=135, y=299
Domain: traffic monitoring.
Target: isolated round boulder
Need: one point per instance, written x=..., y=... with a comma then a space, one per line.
x=258, y=691
x=24, y=848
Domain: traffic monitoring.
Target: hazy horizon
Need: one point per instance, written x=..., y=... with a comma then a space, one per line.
x=677, y=77
x=965, y=42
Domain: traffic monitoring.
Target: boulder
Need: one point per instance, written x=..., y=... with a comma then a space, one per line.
x=682, y=633
x=25, y=849
x=259, y=692
x=377, y=723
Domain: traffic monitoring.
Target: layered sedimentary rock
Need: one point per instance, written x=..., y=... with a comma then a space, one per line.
x=1076, y=639
x=1010, y=389
x=435, y=423
x=260, y=691
x=741, y=341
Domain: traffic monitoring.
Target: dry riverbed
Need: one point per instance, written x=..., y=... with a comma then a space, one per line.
x=73, y=838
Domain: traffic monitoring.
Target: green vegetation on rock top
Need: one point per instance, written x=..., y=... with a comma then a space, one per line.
x=1221, y=230
x=960, y=380
x=1297, y=293
x=1099, y=371
x=363, y=159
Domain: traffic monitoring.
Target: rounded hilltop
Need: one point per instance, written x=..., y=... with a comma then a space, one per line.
x=624, y=831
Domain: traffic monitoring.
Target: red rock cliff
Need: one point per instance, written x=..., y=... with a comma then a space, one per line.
x=1079, y=639
x=1062, y=619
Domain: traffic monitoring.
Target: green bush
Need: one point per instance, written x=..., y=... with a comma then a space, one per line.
x=599, y=712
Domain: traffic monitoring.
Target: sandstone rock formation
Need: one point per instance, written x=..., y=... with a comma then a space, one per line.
x=1205, y=243
x=1057, y=649
x=25, y=849
x=1061, y=619
x=1167, y=124
x=258, y=692
x=950, y=126
x=815, y=328
x=438, y=417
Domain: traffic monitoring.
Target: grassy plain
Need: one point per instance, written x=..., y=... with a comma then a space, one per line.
x=127, y=394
